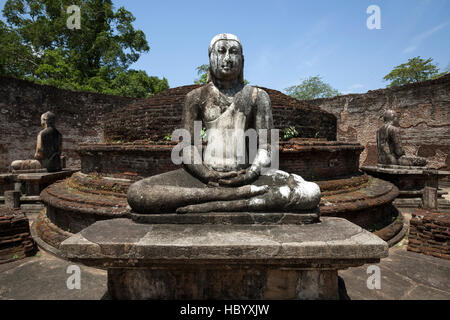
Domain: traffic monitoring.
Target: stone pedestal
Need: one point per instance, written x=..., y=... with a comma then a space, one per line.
x=415, y=184
x=265, y=259
x=29, y=185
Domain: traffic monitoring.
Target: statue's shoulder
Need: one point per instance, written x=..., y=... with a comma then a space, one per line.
x=259, y=94
x=195, y=95
x=50, y=131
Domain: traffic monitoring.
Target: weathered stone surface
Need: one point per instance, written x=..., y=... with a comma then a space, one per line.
x=12, y=199
x=411, y=181
x=121, y=242
x=177, y=261
x=229, y=218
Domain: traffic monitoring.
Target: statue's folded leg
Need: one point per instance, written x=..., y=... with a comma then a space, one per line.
x=25, y=165
x=166, y=193
x=287, y=193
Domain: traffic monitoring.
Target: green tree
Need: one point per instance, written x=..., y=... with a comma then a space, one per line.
x=96, y=57
x=415, y=70
x=312, y=88
x=202, y=71
x=16, y=59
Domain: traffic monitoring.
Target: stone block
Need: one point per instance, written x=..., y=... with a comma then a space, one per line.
x=222, y=261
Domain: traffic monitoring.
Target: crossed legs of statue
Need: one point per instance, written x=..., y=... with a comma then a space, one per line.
x=178, y=191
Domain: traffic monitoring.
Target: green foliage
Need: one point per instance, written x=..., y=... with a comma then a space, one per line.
x=203, y=134
x=36, y=44
x=168, y=137
x=16, y=59
x=415, y=70
x=290, y=132
x=312, y=88
x=202, y=71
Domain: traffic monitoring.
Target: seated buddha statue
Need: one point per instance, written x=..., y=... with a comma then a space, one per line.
x=48, y=148
x=214, y=180
x=389, y=144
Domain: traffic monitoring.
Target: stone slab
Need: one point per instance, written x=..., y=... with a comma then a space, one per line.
x=124, y=243
x=45, y=176
x=228, y=218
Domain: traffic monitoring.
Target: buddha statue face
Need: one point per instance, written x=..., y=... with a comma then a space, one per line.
x=226, y=59
x=48, y=119
x=390, y=116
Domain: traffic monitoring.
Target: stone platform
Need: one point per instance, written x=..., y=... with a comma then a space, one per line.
x=411, y=182
x=30, y=183
x=223, y=261
x=82, y=199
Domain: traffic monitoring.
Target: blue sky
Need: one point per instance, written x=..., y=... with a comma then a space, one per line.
x=287, y=41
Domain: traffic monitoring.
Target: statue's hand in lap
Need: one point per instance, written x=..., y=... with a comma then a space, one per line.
x=214, y=177
x=243, y=177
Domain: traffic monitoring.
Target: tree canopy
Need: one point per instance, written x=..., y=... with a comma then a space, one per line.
x=312, y=88
x=36, y=44
x=415, y=70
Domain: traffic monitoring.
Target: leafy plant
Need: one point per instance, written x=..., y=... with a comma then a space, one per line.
x=290, y=132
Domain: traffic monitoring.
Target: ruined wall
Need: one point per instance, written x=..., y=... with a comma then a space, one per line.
x=424, y=114
x=79, y=118
x=424, y=108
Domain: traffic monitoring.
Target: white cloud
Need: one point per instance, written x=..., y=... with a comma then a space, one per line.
x=417, y=40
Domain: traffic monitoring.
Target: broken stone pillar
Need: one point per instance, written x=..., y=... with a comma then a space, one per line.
x=429, y=195
x=12, y=199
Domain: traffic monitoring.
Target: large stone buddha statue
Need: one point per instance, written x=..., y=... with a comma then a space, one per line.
x=389, y=144
x=222, y=176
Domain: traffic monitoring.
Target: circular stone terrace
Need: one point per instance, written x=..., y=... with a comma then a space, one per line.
x=135, y=148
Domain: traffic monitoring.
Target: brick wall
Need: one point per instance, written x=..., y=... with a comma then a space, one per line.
x=318, y=161
x=79, y=117
x=424, y=110
x=157, y=116
x=429, y=233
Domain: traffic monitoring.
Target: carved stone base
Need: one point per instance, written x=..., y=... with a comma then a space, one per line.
x=222, y=282
x=224, y=261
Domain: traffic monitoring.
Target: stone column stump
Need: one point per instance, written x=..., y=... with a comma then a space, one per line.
x=12, y=199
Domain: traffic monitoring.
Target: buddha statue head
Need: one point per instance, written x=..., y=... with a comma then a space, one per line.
x=390, y=117
x=226, y=60
x=48, y=119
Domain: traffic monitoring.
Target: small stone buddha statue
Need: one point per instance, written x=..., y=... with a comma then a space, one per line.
x=389, y=144
x=48, y=148
x=225, y=181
